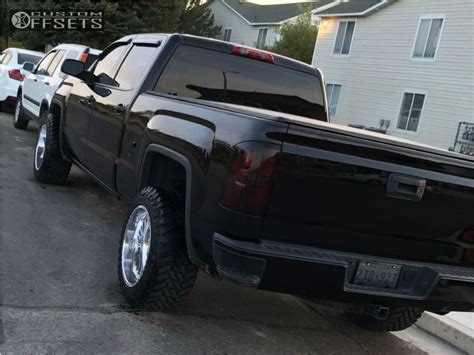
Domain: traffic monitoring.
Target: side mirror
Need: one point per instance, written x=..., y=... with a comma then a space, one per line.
x=73, y=67
x=28, y=66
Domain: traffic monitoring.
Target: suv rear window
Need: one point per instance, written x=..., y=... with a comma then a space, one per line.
x=215, y=76
x=24, y=57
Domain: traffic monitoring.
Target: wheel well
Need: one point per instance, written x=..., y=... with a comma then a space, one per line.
x=162, y=171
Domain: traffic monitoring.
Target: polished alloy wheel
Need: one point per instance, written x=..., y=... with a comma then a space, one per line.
x=136, y=245
x=40, y=147
x=17, y=110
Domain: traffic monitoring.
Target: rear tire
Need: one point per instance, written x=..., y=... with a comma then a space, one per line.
x=19, y=120
x=49, y=166
x=398, y=319
x=167, y=274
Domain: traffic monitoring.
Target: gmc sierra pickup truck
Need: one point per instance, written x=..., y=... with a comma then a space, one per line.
x=228, y=161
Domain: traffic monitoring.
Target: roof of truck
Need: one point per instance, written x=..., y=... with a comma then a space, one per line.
x=218, y=45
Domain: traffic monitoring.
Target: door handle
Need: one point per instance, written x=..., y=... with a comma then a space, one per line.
x=405, y=187
x=35, y=79
x=120, y=108
x=90, y=99
x=46, y=82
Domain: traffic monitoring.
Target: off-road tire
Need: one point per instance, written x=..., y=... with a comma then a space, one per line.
x=169, y=275
x=398, y=319
x=54, y=169
x=19, y=119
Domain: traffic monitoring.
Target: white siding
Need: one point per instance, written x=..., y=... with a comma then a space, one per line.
x=242, y=32
x=379, y=68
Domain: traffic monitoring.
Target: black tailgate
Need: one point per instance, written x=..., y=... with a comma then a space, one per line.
x=374, y=196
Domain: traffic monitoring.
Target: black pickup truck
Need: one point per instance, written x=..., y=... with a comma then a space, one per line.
x=229, y=163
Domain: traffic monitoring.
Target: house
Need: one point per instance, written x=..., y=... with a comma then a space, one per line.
x=400, y=66
x=257, y=25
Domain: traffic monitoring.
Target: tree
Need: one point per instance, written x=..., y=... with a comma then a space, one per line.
x=197, y=19
x=297, y=39
x=120, y=18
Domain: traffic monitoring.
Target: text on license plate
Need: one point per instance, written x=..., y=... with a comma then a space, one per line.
x=377, y=274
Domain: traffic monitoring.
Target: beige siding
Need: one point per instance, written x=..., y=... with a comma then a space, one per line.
x=242, y=32
x=379, y=68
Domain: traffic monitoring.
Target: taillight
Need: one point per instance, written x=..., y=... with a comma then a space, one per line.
x=15, y=74
x=253, y=53
x=468, y=235
x=83, y=57
x=248, y=184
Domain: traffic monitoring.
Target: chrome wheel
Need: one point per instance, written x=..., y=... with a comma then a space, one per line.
x=17, y=110
x=136, y=245
x=40, y=146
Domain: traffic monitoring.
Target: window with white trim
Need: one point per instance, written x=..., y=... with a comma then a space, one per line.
x=343, y=43
x=334, y=92
x=427, y=37
x=227, y=34
x=262, y=37
x=410, y=112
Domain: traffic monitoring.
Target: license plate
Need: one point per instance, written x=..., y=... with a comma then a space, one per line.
x=377, y=274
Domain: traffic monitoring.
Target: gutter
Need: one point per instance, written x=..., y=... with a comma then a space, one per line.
x=366, y=12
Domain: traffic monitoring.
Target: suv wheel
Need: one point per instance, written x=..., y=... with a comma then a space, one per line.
x=19, y=120
x=398, y=319
x=154, y=269
x=49, y=166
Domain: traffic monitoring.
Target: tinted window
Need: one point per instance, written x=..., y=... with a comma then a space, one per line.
x=55, y=62
x=134, y=66
x=91, y=58
x=208, y=75
x=44, y=64
x=25, y=57
x=104, y=69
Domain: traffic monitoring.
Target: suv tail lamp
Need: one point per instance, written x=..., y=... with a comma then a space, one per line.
x=253, y=53
x=248, y=184
x=15, y=74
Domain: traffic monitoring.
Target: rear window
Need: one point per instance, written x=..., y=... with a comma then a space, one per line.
x=25, y=57
x=215, y=76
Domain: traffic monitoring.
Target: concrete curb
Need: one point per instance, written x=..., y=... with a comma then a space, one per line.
x=449, y=330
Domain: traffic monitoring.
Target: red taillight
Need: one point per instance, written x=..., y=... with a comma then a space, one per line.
x=15, y=74
x=247, y=187
x=83, y=57
x=468, y=235
x=253, y=53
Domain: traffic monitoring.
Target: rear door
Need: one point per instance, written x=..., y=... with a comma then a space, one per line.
x=340, y=192
x=35, y=84
x=112, y=103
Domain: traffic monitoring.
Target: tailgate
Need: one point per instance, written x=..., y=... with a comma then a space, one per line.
x=372, y=196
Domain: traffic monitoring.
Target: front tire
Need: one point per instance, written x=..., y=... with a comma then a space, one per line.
x=154, y=269
x=19, y=120
x=398, y=319
x=49, y=166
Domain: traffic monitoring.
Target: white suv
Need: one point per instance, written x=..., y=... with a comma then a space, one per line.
x=12, y=72
x=35, y=94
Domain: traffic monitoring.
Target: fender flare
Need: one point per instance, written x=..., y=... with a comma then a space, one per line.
x=186, y=164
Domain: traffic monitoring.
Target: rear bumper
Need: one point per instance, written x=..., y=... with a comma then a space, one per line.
x=327, y=274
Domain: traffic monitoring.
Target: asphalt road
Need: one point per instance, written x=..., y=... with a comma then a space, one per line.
x=59, y=293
